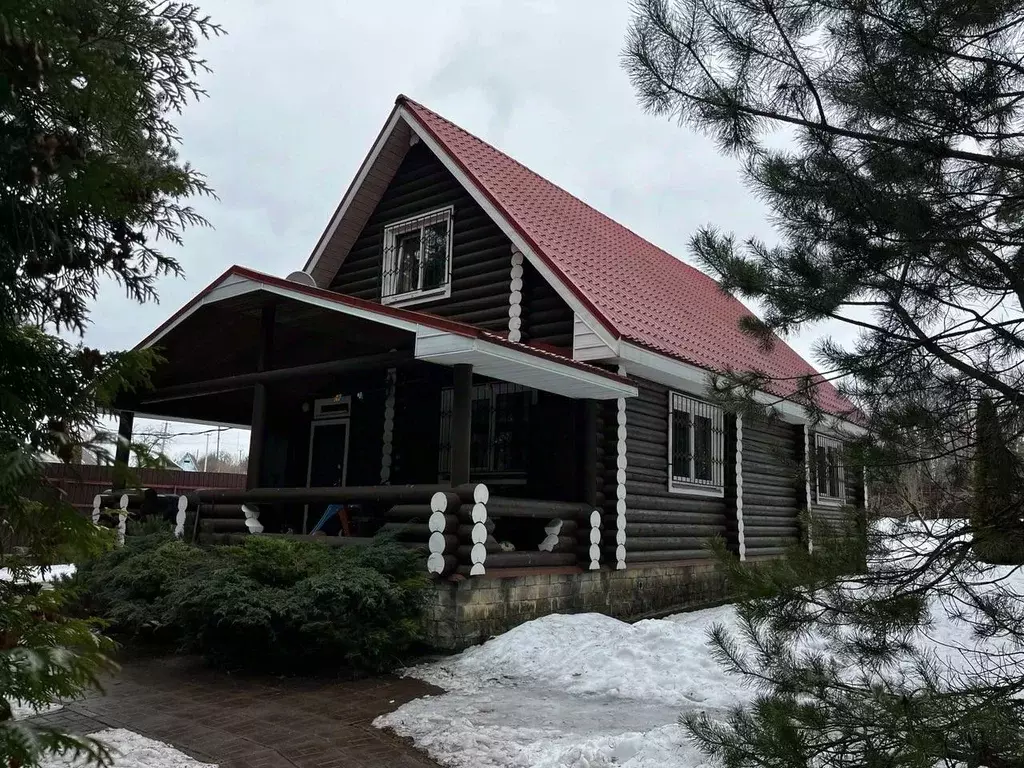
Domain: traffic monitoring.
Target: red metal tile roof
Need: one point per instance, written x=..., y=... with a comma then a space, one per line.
x=640, y=292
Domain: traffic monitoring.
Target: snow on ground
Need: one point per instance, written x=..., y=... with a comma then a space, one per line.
x=589, y=691
x=42, y=574
x=133, y=751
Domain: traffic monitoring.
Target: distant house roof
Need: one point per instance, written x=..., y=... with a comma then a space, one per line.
x=638, y=291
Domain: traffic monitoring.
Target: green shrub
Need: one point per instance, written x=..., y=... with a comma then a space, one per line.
x=269, y=604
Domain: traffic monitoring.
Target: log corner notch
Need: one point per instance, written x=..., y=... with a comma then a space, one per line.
x=475, y=527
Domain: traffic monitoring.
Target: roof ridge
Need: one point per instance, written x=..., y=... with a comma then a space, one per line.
x=402, y=98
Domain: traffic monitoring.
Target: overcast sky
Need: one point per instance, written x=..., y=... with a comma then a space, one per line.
x=299, y=91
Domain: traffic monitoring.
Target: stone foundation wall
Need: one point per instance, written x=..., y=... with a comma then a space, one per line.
x=467, y=612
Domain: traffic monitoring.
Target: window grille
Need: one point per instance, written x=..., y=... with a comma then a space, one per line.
x=499, y=430
x=696, y=443
x=829, y=469
x=416, y=263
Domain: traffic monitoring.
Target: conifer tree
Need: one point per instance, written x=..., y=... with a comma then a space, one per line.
x=90, y=186
x=885, y=136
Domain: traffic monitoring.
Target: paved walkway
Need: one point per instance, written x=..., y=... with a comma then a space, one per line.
x=243, y=722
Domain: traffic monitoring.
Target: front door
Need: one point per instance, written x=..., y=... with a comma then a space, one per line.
x=328, y=453
x=328, y=459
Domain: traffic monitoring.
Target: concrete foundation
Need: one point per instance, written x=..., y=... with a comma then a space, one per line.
x=465, y=612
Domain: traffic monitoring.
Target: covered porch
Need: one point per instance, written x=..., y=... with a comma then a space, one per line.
x=453, y=438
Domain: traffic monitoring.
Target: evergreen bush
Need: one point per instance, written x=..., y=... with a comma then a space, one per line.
x=267, y=605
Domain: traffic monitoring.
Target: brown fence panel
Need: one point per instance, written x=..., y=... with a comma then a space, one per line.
x=81, y=482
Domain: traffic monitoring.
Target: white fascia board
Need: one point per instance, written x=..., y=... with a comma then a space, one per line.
x=449, y=349
x=509, y=231
x=238, y=285
x=357, y=183
x=689, y=378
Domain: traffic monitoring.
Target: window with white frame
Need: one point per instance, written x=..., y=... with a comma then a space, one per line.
x=696, y=442
x=417, y=258
x=829, y=470
x=499, y=428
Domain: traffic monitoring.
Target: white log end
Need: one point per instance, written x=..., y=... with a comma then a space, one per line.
x=97, y=501
x=480, y=494
x=620, y=522
x=437, y=522
x=479, y=514
x=620, y=476
x=516, y=271
x=595, y=552
x=477, y=570
x=620, y=565
x=620, y=507
x=182, y=503
x=549, y=544
x=620, y=553
x=435, y=563
x=479, y=534
x=436, y=543
x=123, y=501
x=254, y=525
x=517, y=258
x=439, y=502
x=620, y=461
x=251, y=513
x=515, y=323
x=620, y=491
x=595, y=565
x=515, y=336
x=595, y=519
x=595, y=535
x=554, y=527
x=478, y=554
x=620, y=537
x=515, y=310
x=516, y=285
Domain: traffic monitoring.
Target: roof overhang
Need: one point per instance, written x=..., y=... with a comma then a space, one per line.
x=437, y=340
x=685, y=377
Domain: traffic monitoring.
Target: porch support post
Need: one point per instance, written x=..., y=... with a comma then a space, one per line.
x=122, y=451
x=590, y=453
x=258, y=428
x=462, y=401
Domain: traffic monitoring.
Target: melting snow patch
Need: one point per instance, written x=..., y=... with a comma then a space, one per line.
x=134, y=751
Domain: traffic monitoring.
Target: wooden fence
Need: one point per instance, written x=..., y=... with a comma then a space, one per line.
x=81, y=482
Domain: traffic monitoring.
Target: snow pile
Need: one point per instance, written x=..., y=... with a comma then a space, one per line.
x=589, y=691
x=40, y=575
x=653, y=661
x=21, y=710
x=580, y=691
x=134, y=751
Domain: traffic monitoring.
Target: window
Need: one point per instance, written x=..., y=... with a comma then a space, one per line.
x=696, y=439
x=499, y=431
x=829, y=469
x=416, y=263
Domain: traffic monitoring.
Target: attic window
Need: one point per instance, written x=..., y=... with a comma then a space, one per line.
x=417, y=260
x=696, y=446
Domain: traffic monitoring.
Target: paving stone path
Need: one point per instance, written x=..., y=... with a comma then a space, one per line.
x=245, y=722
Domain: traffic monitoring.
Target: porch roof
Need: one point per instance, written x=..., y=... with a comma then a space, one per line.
x=351, y=326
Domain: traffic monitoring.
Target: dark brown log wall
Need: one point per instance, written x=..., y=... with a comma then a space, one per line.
x=481, y=254
x=681, y=523
x=773, y=486
x=546, y=316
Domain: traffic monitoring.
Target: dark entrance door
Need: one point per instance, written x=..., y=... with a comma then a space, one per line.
x=328, y=453
x=328, y=460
